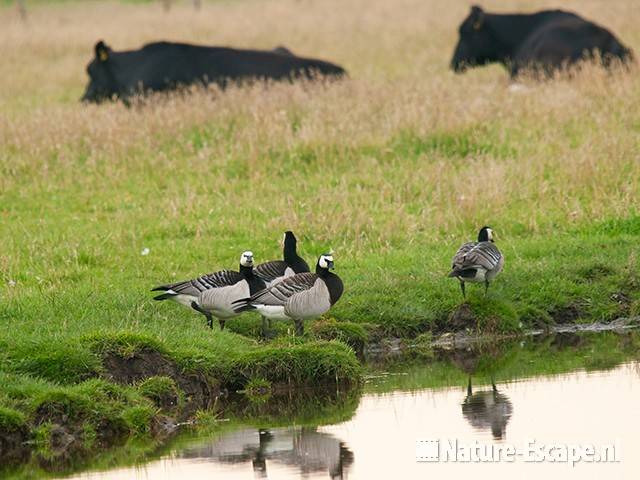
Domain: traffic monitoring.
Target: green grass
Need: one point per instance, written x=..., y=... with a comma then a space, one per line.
x=161, y=390
x=11, y=420
x=232, y=364
x=353, y=334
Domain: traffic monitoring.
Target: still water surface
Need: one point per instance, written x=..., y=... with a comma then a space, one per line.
x=379, y=439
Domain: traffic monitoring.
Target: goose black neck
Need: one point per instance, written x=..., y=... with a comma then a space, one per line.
x=289, y=249
x=334, y=285
x=291, y=256
x=297, y=263
x=246, y=272
x=255, y=283
x=322, y=272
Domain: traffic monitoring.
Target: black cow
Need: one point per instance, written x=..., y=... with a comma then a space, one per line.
x=165, y=66
x=283, y=51
x=546, y=41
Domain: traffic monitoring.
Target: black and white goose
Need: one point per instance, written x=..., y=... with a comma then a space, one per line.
x=277, y=270
x=477, y=262
x=213, y=294
x=303, y=296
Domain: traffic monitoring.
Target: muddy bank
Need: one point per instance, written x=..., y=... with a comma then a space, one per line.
x=68, y=425
x=140, y=389
x=194, y=390
x=386, y=348
x=14, y=448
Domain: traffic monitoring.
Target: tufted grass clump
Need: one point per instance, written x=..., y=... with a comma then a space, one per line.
x=494, y=315
x=138, y=418
x=124, y=344
x=353, y=334
x=309, y=363
x=162, y=390
x=11, y=420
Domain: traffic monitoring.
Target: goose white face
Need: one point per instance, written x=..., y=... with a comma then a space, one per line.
x=326, y=261
x=490, y=234
x=284, y=237
x=246, y=260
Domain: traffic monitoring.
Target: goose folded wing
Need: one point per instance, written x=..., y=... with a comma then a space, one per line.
x=459, y=257
x=222, y=298
x=269, y=271
x=279, y=293
x=485, y=255
x=198, y=285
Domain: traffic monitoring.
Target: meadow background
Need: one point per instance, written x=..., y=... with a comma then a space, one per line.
x=392, y=168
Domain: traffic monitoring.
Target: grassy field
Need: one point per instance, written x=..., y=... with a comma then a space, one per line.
x=392, y=168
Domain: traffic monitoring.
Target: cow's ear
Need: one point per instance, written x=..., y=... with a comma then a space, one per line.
x=477, y=17
x=102, y=51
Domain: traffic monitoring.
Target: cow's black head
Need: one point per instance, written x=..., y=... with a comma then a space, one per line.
x=477, y=44
x=102, y=85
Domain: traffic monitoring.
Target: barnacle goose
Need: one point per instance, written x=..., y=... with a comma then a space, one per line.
x=477, y=262
x=276, y=270
x=213, y=294
x=300, y=297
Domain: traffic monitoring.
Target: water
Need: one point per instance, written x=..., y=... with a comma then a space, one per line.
x=372, y=434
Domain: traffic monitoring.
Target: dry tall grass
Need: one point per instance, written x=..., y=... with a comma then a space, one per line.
x=479, y=150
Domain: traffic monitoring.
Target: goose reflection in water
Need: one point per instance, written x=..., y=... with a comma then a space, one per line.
x=305, y=448
x=487, y=409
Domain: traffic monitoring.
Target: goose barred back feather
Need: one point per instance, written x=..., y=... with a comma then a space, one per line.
x=280, y=292
x=270, y=271
x=198, y=285
x=477, y=254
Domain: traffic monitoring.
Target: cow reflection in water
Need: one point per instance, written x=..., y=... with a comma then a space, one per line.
x=306, y=448
x=487, y=409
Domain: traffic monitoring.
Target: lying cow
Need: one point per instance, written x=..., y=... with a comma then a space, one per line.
x=283, y=51
x=165, y=66
x=545, y=41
